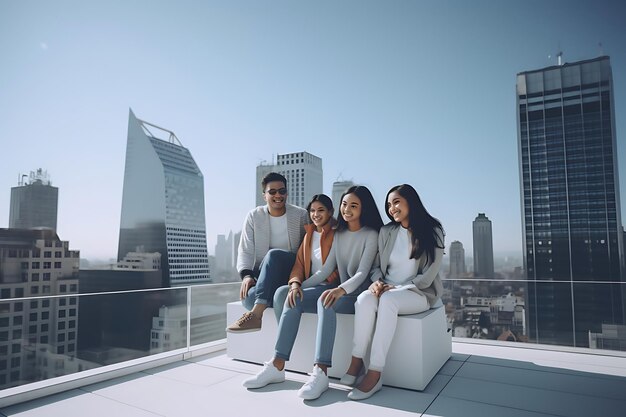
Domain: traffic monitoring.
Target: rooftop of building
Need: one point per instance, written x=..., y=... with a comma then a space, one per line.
x=503, y=380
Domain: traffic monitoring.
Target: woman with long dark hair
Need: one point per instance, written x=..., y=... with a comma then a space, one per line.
x=353, y=253
x=406, y=282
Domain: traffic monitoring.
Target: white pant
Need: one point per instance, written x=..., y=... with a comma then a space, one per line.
x=388, y=306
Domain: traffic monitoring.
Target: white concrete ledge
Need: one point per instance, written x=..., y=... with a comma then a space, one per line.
x=420, y=347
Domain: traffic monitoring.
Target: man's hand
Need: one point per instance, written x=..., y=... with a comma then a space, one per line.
x=247, y=283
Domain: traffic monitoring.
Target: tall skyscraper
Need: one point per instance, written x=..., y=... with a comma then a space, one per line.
x=339, y=187
x=457, y=260
x=303, y=172
x=570, y=200
x=483, y=247
x=163, y=204
x=34, y=202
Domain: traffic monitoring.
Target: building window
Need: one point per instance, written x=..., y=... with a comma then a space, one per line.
x=46, y=276
x=35, y=265
x=47, y=254
x=47, y=265
x=57, y=265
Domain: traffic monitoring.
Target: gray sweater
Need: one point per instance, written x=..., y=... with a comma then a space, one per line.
x=353, y=254
x=255, y=236
x=427, y=281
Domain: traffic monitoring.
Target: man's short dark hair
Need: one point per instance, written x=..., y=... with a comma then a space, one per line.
x=272, y=176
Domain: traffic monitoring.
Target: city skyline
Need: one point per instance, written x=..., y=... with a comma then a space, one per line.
x=382, y=93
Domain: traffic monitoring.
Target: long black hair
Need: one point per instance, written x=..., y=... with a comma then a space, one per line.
x=370, y=216
x=426, y=231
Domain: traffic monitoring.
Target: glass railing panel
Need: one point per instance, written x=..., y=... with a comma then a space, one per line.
x=576, y=314
x=47, y=337
x=208, y=311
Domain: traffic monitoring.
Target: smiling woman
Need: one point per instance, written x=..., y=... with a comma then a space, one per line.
x=407, y=281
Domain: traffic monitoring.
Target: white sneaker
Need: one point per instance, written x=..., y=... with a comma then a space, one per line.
x=315, y=386
x=268, y=375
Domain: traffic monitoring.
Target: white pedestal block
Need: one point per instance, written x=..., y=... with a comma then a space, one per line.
x=420, y=347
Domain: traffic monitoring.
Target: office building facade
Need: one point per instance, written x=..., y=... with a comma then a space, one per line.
x=483, y=247
x=457, y=260
x=34, y=202
x=36, y=263
x=570, y=200
x=163, y=204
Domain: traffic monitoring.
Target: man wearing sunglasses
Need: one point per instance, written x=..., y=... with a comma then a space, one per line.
x=270, y=238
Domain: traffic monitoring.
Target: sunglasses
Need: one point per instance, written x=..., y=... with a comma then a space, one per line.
x=273, y=191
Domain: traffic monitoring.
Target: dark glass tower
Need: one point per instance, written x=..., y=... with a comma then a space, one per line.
x=570, y=200
x=34, y=203
x=163, y=204
x=483, y=247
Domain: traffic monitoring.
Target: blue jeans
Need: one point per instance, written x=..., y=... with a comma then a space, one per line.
x=274, y=272
x=327, y=326
x=290, y=319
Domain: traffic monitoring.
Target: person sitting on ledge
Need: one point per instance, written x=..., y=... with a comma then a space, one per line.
x=270, y=237
x=299, y=296
x=410, y=249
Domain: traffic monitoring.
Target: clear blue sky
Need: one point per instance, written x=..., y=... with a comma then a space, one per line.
x=384, y=92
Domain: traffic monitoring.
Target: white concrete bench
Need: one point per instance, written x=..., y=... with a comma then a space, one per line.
x=420, y=347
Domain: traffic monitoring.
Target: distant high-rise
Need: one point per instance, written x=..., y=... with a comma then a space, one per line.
x=37, y=264
x=570, y=200
x=223, y=252
x=303, y=172
x=457, y=260
x=339, y=187
x=34, y=202
x=483, y=247
x=163, y=204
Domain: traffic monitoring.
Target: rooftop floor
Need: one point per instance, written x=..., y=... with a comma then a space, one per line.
x=478, y=380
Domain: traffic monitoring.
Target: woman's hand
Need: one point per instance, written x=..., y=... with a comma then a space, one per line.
x=247, y=283
x=379, y=287
x=330, y=297
x=295, y=291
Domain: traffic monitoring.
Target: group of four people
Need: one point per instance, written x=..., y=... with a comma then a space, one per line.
x=351, y=265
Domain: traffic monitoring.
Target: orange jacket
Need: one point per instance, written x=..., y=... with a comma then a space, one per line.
x=302, y=268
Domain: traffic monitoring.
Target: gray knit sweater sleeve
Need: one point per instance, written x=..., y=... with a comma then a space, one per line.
x=355, y=254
